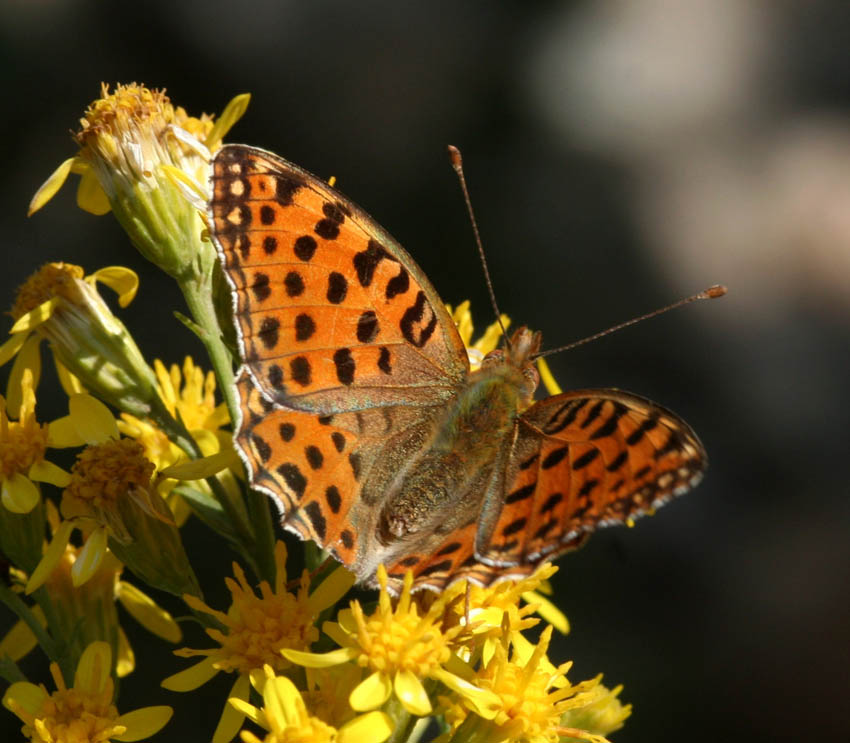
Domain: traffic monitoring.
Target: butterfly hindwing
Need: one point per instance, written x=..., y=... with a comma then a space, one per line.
x=586, y=459
x=332, y=314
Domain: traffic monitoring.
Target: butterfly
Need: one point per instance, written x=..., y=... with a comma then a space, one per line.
x=361, y=418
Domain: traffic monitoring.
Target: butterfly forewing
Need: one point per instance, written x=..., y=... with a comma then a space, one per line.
x=332, y=314
x=586, y=459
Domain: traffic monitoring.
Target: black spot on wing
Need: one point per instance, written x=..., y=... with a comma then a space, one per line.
x=521, y=493
x=293, y=478
x=515, y=526
x=337, y=287
x=314, y=456
x=411, y=325
x=593, y=413
x=299, y=370
x=554, y=457
x=260, y=287
x=585, y=459
x=275, y=376
x=305, y=247
x=398, y=284
x=314, y=513
x=264, y=451
x=367, y=327
x=366, y=261
x=305, y=326
x=294, y=284
x=269, y=332
x=333, y=498
x=345, y=367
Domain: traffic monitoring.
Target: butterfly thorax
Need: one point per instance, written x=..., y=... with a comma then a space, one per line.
x=467, y=441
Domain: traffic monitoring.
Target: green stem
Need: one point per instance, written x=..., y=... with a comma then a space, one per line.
x=45, y=641
x=198, y=292
x=403, y=720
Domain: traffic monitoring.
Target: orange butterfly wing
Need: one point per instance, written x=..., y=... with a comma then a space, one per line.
x=583, y=460
x=331, y=313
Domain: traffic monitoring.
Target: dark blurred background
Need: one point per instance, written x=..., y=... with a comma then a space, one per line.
x=620, y=155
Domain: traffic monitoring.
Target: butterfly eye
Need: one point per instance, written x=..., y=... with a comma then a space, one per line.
x=494, y=357
x=532, y=377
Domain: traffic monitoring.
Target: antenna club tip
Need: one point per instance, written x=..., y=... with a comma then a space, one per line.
x=713, y=292
x=454, y=156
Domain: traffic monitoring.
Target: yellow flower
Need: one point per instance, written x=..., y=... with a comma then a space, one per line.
x=486, y=343
x=84, y=610
x=495, y=610
x=90, y=345
x=533, y=697
x=189, y=397
x=256, y=630
x=111, y=497
x=285, y=716
x=602, y=716
x=23, y=444
x=136, y=152
x=400, y=650
x=85, y=711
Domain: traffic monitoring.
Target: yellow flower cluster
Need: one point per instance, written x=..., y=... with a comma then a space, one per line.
x=153, y=448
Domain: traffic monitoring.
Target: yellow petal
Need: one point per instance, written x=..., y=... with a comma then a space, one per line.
x=319, y=660
x=345, y=619
x=282, y=702
x=91, y=196
x=146, y=612
x=331, y=589
x=248, y=710
x=208, y=442
x=198, y=469
x=188, y=186
x=231, y=718
x=126, y=662
x=192, y=677
x=89, y=557
x=94, y=667
x=144, y=722
x=69, y=382
x=552, y=387
x=548, y=611
x=336, y=632
x=34, y=318
x=51, y=557
x=63, y=433
x=485, y=703
x=20, y=639
x=92, y=419
x=45, y=471
x=25, y=695
x=19, y=494
x=48, y=189
x=370, y=693
x=11, y=346
x=28, y=359
x=123, y=281
x=411, y=693
x=233, y=111
x=373, y=727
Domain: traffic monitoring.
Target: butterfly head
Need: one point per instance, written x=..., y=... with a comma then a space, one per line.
x=519, y=355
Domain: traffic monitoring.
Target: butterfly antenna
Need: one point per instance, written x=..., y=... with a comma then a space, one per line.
x=457, y=164
x=713, y=292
